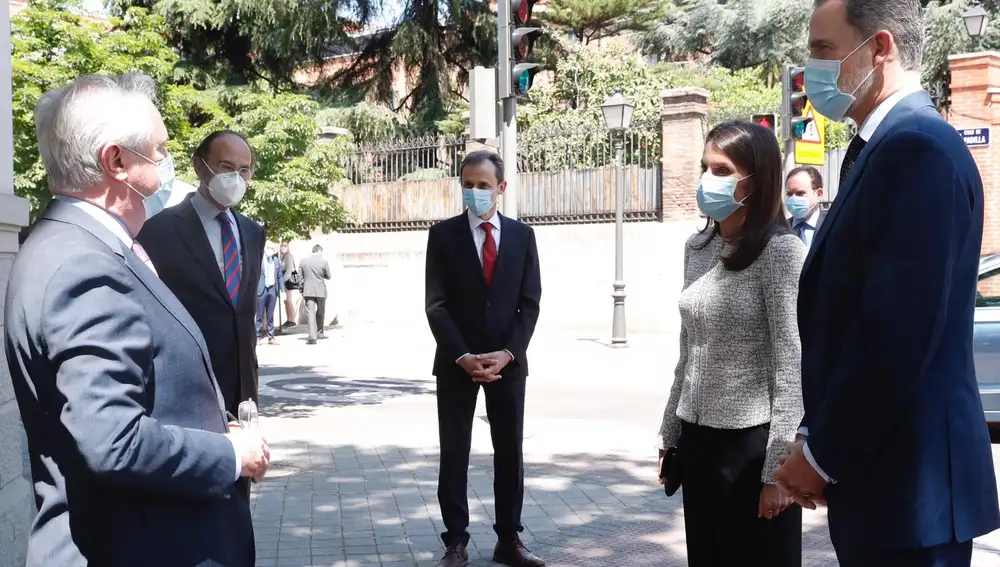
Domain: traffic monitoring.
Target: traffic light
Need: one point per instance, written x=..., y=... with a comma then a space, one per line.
x=793, y=103
x=517, y=42
x=766, y=120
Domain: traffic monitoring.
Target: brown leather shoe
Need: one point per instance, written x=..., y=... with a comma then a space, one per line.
x=515, y=555
x=455, y=556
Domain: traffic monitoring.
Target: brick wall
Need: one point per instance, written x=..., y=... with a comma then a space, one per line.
x=685, y=124
x=973, y=107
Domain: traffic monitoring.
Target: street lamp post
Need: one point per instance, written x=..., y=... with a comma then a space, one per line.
x=975, y=19
x=618, y=118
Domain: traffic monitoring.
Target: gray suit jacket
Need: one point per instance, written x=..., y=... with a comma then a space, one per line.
x=125, y=427
x=315, y=271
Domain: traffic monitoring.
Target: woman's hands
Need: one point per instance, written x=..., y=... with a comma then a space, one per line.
x=772, y=502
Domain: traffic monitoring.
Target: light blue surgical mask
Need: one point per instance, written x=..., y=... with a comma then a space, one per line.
x=798, y=206
x=821, y=78
x=155, y=203
x=479, y=201
x=717, y=196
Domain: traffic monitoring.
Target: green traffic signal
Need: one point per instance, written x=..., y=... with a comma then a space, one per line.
x=522, y=77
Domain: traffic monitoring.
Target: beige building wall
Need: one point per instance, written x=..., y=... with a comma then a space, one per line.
x=15, y=490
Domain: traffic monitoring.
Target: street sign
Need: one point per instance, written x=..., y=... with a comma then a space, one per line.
x=975, y=137
x=810, y=149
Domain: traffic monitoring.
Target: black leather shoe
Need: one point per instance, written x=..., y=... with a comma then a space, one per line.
x=455, y=556
x=515, y=555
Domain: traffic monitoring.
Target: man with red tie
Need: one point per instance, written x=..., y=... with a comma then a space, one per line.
x=482, y=296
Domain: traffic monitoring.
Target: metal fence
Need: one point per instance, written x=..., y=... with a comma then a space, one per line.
x=568, y=174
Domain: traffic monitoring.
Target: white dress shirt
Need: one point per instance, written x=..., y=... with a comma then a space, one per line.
x=207, y=213
x=866, y=132
x=479, y=235
x=117, y=227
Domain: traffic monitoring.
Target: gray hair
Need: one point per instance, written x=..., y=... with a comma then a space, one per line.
x=480, y=157
x=901, y=18
x=75, y=123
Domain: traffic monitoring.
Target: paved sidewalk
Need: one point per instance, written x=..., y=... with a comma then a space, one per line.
x=354, y=445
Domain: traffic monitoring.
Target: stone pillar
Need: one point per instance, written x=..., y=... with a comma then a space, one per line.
x=973, y=76
x=685, y=125
x=15, y=490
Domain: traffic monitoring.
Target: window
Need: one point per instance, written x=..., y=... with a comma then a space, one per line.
x=988, y=289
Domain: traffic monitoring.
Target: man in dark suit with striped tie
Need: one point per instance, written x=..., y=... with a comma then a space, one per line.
x=210, y=256
x=803, y=193
x=482, y=300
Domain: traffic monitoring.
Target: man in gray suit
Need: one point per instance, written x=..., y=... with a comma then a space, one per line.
x=315, y=271
x=131, y=457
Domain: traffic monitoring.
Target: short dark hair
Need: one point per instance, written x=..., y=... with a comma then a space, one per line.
x=814, y=175
x=901, y=18
x=480, y=157
x=754, y=149
x=317, y=248
x=205, y=147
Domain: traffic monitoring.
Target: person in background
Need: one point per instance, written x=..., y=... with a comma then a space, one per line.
x=210, y=256
x=482, y=313
x=736, y=398
x=803, y=192
x=894, y=436
x=131, y=461
x=291, y=284
x=315, y=272
x=268, y=293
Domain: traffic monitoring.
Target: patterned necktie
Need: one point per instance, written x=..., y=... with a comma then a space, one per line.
x=230, y=258
x=853, y=151
x=140, y=253
x=489, y=252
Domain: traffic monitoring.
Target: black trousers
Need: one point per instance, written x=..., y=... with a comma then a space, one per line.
x=721, y=489
x=947, y=555
x=456, y=402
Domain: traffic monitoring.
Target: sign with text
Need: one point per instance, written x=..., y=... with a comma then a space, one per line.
x=975, y=137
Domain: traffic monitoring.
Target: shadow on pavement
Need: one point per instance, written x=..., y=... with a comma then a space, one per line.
x=299, y=392
x=352, y=506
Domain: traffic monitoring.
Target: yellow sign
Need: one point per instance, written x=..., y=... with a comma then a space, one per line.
x=811, y=148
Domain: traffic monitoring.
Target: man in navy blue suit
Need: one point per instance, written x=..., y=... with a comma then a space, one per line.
x=893, y=437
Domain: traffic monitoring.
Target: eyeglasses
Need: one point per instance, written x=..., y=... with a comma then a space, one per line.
x=226, y=167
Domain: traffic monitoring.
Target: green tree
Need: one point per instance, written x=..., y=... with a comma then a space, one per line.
x=592, y=20
x=52, y=45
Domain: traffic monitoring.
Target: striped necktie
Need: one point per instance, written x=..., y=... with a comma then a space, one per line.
x=230, y=258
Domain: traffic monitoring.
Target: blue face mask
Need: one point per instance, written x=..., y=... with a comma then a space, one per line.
x=821, y=78
x=798, y=206
x=479, y=201
x=716, y=196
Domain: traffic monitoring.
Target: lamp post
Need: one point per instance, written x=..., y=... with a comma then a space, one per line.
x=618, y=118
x=976, y=18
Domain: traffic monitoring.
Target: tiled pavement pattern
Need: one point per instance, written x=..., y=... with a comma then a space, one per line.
x=354, y=477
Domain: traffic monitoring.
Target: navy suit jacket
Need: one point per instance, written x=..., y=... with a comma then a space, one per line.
x=171, y=239
x=886, y=314
x=468, y=316
x=279, y=277
x=123, y=414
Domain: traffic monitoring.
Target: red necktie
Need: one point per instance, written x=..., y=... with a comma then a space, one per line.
x=489, y=252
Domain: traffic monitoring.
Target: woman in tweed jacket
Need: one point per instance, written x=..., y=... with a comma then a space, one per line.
x=736, y=398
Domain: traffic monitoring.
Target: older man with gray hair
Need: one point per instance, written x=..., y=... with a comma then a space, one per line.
x=132, y=459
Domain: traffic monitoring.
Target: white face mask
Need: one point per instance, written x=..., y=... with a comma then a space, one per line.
x=157, y=201
x=227, y=189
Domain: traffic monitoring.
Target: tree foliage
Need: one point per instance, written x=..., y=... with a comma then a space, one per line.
x=591, y=20
x=52, y=45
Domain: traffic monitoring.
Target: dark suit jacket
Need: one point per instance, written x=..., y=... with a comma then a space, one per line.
x=315, y=271
x=468, y=316
x=173, y=239
x=886, y=314
x=123, y=415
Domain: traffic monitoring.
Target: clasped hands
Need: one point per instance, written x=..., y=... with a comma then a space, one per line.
x=485, y=368
x=797, y=478
x=253, y=450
